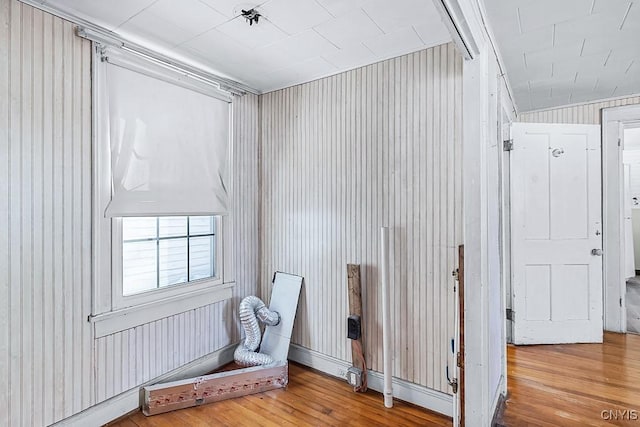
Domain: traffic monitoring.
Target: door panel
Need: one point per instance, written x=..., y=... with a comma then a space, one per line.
x=568, y=187
x=570, y=299
x=537, y=292
x=556, y=222
x=536, y=176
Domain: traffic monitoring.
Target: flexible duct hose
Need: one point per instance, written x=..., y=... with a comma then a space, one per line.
x=253, y=309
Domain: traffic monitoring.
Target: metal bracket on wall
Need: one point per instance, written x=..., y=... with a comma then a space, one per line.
x=511, y=315
x=453, y=382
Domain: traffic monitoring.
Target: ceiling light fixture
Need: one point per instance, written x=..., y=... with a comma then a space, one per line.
x=251, y=16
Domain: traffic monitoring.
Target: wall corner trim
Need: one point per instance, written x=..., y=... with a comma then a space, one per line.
x=128, y=401
x=404, y=390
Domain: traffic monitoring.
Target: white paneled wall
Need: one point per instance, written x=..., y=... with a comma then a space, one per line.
x=129, y=358
x=50, y=366
x=245, y=200
x=45, y=218
x=585, y=114
x=344, y=155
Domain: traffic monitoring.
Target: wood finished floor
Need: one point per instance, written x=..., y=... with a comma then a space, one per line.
x=570, y=385
x=312, y=399
x=549, y=385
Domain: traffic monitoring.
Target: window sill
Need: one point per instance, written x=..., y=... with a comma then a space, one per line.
x=126, y=318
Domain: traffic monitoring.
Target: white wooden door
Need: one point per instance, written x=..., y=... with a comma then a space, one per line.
x=556, y=231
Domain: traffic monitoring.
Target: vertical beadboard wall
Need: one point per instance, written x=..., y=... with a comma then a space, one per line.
x=127, y=359
x=344, y=155
x=45, y=218
x=584, y=114
x=50, y=366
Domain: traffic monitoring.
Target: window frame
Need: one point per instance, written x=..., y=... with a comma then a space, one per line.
x=111, y=310
x=123, y=301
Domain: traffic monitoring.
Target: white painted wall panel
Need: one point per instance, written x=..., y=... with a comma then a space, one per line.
x=45, y=214
x=585, y=114
x=50, y=366
x=344, y=155
x=127, y=359
x=495, y=309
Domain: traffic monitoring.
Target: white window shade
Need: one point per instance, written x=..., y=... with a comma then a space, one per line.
x=169, y=147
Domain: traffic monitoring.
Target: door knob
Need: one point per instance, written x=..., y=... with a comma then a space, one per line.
x=596, y=252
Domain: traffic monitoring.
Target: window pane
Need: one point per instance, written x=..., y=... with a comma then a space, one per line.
x=171, y=226
x=139, y=267
x=138, y=228
x=201, y=257
x=173, y=261
x=200, y=225
x=155, y=252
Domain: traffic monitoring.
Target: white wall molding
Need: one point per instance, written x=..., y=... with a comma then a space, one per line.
x=499, y=392
x=580, y=104
x=585, y=113
x=131, y=317
x=455, y=21
x=403, y=390
x=128, y=401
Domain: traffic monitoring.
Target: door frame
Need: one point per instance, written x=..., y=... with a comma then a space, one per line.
x=505, y=226
x=614, y=292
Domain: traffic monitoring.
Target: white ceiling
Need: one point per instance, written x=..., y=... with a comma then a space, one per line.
x=569, y=51
x=295, y=41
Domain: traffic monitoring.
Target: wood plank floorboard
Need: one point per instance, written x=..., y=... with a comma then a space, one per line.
x=549, y=386
x=311, y=399
x=571, y=385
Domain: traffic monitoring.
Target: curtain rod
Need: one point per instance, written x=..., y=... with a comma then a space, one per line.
x=93, y=32
x=115, y=41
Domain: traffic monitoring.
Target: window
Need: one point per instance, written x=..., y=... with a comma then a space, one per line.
x=162, y=187
x=159, y=258
x=166, y=251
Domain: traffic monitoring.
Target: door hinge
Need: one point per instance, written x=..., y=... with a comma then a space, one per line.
x=459, y=360
x=511, y=315
x=453, y=382
x=619, y=142
x=620, y=302
x=507, y=145
x=456, y=274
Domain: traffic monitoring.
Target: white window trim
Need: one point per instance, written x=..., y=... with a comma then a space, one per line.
x=112, y=312
x=130, y=317
x=121, y=301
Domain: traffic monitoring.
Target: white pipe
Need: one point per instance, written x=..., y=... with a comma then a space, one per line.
x=386, y=317
x=453, y=362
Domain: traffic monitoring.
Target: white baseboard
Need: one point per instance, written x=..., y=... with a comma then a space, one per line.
x=403, y=390
x=500, y=391
x=128, y=401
